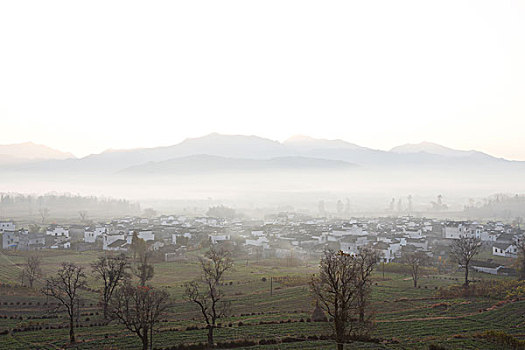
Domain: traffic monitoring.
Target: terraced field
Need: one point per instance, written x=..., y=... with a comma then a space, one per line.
x=406, y=317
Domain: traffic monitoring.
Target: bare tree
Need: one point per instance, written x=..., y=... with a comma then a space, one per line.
x=83, y=215
x=462, y=252
x=32, y=270
x=334, y=288
x=143, y=269
x=139, y=309
x=365, y=260
x=415, y=261
x=206, y=292
x=138, y=246
x=44, y=213
x=149, y=213
x=65, y=287
x=112, y=270
x=521, y=259
x=34, y=228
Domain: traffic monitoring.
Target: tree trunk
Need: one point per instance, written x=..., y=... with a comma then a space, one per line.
x=105, y=307
x=415, y=282
x=210, y=337
x=340, y=346
x=71, y=330
x=466, y=275
x=361, y=306
x=145, y=343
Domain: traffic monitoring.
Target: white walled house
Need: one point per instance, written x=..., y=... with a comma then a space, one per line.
x=108, y=240
x=349, y=248
x=487, y=236
x=23, y=240
x=505, y=249
x=486, y=267
x=259, y=242
x=90, y=235
x=58, y=232
x=454, y=232
x=419, y=243
x=415, y=234
x=214, y=239
x=145, y=235
x=7, y=226
x=388, y=251
x=61, y=245
x=10, y=239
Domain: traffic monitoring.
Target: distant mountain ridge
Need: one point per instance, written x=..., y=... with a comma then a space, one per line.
x=305, y=143
x=207, y=163
x=28, y=152
x=240, y=149
x=434, y=148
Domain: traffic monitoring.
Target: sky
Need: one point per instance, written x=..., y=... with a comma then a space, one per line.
x=88, y=76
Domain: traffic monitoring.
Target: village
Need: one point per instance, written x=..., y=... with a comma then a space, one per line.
x=289, y=236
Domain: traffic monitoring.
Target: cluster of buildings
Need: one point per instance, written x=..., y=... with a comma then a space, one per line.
x=501, y=238
x=286, y=235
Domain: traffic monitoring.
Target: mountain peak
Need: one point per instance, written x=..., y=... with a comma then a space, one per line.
x=432, y=148
x=32, y=151
x=306, y=142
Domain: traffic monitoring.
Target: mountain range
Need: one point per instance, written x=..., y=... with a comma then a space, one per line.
x=29, y=152
x=215, y=152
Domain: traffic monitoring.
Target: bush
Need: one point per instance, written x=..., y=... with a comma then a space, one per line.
x=503, y=338
x=436, y=347
x=236, y=344
x=268, y=341
x=497, y=289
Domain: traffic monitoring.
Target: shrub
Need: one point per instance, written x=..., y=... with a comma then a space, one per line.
x=497, y=289
x=503, y=338
x=268, y=341
x=436, y=347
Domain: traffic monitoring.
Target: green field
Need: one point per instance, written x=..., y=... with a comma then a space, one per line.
x=406, y=317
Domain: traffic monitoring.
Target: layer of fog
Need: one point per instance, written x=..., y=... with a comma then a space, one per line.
x=368, y=190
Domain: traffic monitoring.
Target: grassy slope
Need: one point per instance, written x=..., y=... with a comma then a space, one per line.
x=413, y=317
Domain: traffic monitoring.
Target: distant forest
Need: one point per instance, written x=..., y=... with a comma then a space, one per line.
x=499, y=206
x=50, y=206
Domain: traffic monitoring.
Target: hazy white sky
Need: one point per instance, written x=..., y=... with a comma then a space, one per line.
x=87, y=76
